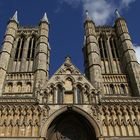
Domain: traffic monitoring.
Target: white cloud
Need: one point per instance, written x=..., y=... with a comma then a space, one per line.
x=100, y=10
x=126, y=3
x=137, y=49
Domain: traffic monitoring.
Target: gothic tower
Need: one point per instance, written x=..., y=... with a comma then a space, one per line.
x=24, y=57
x=127, y=54
x=10, y=34
x=102, y=104
x=110, y=58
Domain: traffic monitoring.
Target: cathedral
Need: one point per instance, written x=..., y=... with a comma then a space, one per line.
x=101, y=104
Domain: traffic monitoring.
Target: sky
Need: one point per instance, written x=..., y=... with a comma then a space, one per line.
x=66, y=19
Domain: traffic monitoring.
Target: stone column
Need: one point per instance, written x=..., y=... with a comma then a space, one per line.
x=75, y=95
x=84, y=95
x=42, y=52
x=11, y=66
x=128, y=56
x=55, y=95
x=24, y=56
x=93, y=64
x=7, y=45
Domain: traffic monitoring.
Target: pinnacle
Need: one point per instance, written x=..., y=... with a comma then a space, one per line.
x=15, y=17
x=87, y=16
x=84, y=40
x=67, y=59
x=117, y=13
x=45, y=18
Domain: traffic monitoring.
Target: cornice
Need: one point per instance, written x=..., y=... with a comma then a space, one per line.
x=18, y=100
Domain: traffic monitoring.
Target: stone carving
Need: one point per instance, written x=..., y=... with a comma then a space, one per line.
x=44, y=114
x=96, y=112
x=19, y=116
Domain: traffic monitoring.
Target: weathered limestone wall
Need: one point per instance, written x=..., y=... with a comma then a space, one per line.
x=120, y=120
x=19, y=121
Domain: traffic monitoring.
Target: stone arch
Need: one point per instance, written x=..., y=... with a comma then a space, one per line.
x=79, y=84
x=59, y=83
x=69, y=77
x=68, y=83
x=69, y=71
x=96, y=126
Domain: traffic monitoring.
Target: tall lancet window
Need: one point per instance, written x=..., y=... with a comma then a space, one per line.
x=115, y=55
x=102, y=41
x=60, y=94
x=31, y=48
x=114, y=49
x=103, y=47
x=19, y=48
x=79, y=94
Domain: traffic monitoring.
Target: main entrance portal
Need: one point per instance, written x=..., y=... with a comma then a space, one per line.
x=70, y=126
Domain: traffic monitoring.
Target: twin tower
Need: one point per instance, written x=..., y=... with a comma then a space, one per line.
x=103, y=104
x=25, y=50
x=109, y=57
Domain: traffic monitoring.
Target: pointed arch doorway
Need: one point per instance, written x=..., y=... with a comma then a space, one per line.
x=70, y=126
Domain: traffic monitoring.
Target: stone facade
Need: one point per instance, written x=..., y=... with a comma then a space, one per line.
x=103, y=104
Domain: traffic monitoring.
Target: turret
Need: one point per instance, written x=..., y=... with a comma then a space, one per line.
x=128, y=57
x=42, y=52
x=7, y=47
x=91, y=52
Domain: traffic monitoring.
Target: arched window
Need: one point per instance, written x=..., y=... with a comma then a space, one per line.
x=29, y=87
x=103, y=47
x=101, y=50
x=114, y=49
x=19, y=48
x=31, y=48
x=60, y=94
x=19, y=87
x=122, y=89
x=10, y=87
x=104, y=53
x=112, y=91
x=79, y=94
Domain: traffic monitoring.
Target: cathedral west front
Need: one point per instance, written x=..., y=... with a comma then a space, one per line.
x=101, y=104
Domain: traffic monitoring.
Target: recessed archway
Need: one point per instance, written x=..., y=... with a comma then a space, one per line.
x=70, y=125
x=94, y=125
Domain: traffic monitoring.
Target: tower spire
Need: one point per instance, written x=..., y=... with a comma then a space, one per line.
x=117, y=14
x=45, y=18
x=87, y=16
x=15, y=17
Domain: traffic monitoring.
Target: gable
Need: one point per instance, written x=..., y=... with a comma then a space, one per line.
x=69, y=71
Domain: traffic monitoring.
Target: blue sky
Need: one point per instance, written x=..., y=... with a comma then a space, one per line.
x=66, y=22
